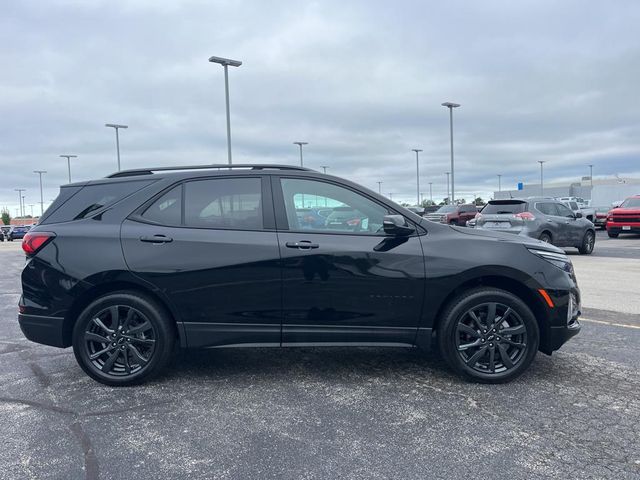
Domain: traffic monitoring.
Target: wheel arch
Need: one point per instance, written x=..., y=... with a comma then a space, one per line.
x=89, y=295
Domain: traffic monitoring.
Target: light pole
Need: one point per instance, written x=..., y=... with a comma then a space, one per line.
x=300, y=144
x=324, y=168
x=499, y=182
x=226, y=63
x=430, y=192
x=40, y=172
x=591, y=174
x=379, y=187
x=541, y=162
x=417, y=150
x=390, y=196
x=20, y=190
x=31, y=207
x=117, y=127
x=451, y=106
x=448, y=197
x=69, y=157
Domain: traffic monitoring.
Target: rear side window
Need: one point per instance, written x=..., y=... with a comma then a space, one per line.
x=91, y=198
x=547, y=208
x=166, y=210
x=495, y=208
x=234, y=203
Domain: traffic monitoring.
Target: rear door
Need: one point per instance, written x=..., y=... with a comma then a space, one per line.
x=210, y=246
x=345, y=281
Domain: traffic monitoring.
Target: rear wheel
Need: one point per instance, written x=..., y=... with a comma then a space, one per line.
x=612, y=234
x=588, y=242
x=123, y=338
x=545, y=237
x=488, y=335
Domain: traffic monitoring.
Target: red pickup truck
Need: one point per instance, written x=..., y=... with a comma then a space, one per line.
x=625, y=218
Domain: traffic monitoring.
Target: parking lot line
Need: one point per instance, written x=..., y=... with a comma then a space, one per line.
x=603, y=322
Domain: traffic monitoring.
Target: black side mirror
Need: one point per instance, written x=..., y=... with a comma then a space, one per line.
x=578, y=215
x=396, y=225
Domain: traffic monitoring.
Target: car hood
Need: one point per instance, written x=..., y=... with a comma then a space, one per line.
x=625, y=210
x=507, y=237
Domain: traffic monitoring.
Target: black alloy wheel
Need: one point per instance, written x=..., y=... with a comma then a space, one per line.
x=545, y=237
x=123, y=338
x=488, y=335
x=588, y=242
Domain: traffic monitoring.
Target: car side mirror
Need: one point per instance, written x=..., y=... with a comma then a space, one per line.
x=396, y=225
x=578, y=215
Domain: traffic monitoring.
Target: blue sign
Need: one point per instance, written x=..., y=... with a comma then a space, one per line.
x=520, y=186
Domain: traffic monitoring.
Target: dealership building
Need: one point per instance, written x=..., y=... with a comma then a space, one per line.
x=604, y=192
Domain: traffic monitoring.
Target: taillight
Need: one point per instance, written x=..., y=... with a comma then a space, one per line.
x=34, y=241
x=354, y=222
x=526, y=216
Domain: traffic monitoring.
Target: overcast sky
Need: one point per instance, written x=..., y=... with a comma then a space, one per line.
x=362, y=82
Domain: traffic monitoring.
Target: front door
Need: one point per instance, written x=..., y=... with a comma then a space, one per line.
x=211, y=248
x=344, y=280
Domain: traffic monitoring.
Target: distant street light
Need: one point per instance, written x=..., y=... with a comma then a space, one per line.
x=20, y=197
x=116, y=127
x=451, y=106
x=226, y=63
x=430, y=192
x=379, y=187
x=541, y=162
x=40, y=172
x=69, y=157
x=31, y=207
x=300, y=144
x=324, y=168
x=448, y=194
x=417, y=150
x=499, y=182
x=591, y=174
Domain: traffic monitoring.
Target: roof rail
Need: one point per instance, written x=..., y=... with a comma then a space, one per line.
x=249, y=166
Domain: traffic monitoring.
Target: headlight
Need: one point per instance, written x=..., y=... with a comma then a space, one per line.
x=560, y=260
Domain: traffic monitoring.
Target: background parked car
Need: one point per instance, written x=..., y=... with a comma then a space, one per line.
x=625, y=218
x=313, y=217
x=17, y=233
x=546, y=219
x=600, y=219
x=587, y=212
x=345, y=218
x=417, y=210
x=453, y=214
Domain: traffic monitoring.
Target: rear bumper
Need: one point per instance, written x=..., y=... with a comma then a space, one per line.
x=41, y=329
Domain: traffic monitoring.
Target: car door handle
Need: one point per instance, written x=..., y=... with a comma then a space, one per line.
x=302, y=245
x=156, y=239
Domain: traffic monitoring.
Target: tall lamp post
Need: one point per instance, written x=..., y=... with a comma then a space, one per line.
x=451, y=106
x=69, y=157
x=20, y=190
x=300, y=144
x=324, y=168
x=226, y=63
x=591, y=174
x=417, y=150
x=541, y=162
x=117, y=127
x=379, y=187
x=448, y=197
x=390, y=196
x=431, y=191
x=40, y=172
x=499, y=182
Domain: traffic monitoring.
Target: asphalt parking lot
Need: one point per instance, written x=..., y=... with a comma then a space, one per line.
x=328, y=413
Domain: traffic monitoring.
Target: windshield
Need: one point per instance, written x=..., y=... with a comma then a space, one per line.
x=446, y=209
x=504, y=207
x=631, y=203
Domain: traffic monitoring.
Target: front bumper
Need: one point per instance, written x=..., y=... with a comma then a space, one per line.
x=41, y=329
x=623, y=227
x=564, y=323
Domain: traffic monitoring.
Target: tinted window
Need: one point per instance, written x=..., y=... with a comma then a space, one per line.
x=350, y=211
x=92, y=198
x=446, y=209
x=563, y=210
x=573, y=206
x=547, y=208
x=166, y=210
x=631, y=203
x=234, y=203
x=494, y=208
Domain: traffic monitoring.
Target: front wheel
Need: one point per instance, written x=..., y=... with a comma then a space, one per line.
x=123, y=338
x=588, y=242
x=488, y=335
x=545, y=237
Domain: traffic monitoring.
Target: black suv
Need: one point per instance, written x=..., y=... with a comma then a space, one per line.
x=125, y=268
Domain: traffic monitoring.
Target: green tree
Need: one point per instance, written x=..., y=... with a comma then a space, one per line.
x=480, y=201
x=6, y=218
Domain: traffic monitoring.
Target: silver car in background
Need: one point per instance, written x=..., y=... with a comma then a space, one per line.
x=546, y=219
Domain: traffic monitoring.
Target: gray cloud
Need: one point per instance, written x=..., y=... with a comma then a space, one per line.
x=361, y=81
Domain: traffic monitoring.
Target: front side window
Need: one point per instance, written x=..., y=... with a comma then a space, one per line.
x=325, y=207
x=563, y=211
x=233, y=203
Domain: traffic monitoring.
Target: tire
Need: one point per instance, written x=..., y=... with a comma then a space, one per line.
x=612, y=234
x=545, y=237
x=588, y=242
x=123, y=359
x=474, y=362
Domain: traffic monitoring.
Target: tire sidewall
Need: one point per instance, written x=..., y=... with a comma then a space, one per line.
x=165, y=338
x=447, y=332
x=585, y=249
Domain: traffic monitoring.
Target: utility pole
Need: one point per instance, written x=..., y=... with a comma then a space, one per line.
x=417, y=150
x=499, y=182
x=116, y=127
x=451, y=106
x=20, y=197
x=324, y=168
x=69, y=157
x=300, y=144
x=379, y=187
x=226, y=63
x=541, y=162
x=430, y=192
x=448, y=194
x=40, y=172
